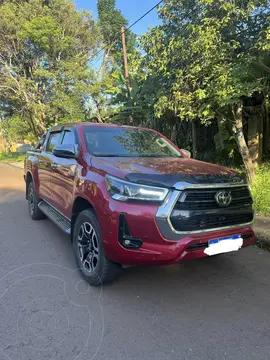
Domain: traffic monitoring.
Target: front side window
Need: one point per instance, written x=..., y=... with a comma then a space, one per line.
x=127, y=142
x=54, y=140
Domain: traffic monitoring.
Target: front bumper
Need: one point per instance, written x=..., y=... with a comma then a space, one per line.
x=156, y=249
x=150, y=224
x=171, y=252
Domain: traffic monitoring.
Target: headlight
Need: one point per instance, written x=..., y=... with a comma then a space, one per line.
x=124, y=190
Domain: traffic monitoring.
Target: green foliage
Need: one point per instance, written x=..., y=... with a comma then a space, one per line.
x=261, y=189
x=204, y=56
x=102, y=88
x=107, y=84
x=206, y=61
x=111, y=20
x=15, y=130
x=224, y=141
x=11, y=157
x=44, y=53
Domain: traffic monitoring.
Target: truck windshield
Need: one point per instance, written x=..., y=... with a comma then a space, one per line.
x=127, y=142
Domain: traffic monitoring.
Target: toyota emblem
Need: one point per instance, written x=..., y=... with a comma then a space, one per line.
x=223, y=198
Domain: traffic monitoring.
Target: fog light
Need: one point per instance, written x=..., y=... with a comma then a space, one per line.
x=124, y=236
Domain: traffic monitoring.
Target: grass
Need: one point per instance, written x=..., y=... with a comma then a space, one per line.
x=11, y=157
x=261, y=189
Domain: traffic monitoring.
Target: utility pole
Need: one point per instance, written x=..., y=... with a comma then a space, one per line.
x=129, y=102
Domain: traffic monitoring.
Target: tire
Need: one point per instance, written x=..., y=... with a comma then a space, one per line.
x=34, y=210
x=95, y=267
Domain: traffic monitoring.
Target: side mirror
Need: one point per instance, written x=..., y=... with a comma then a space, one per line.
x=66, y=151
x=186, y=153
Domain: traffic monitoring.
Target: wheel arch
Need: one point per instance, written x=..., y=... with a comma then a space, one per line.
x=80, y=204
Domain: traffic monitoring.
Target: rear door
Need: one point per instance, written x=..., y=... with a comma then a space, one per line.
x=46, y=166
x=63, y=176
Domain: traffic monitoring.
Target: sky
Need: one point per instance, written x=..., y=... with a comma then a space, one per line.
x=131, y=9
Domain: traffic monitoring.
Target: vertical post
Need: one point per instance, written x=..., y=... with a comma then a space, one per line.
x=125, y=58
x=126, y=72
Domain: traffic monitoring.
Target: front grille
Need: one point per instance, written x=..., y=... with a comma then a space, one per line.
x=205, y=198
x=198, y=210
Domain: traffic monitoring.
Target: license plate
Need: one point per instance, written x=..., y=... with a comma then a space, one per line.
x=224, y=245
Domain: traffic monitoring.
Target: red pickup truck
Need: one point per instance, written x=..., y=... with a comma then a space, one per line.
x=128, y=196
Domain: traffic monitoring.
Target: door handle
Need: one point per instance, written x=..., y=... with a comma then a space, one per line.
x=54, y=166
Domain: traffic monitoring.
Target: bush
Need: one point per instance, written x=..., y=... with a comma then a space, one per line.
x=12, y=157
x=261, y=189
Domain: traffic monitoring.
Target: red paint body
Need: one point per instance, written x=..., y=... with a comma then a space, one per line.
x=84, y=177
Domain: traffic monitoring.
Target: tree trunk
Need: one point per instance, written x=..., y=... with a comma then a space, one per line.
x=99, y=119
x=261, y=132
x=266, y=127
x=103, y=65
x=219, y=141
x=194, y=139
x=32, y=126
x=255, y=137
x=174, y=133
x=241, y=142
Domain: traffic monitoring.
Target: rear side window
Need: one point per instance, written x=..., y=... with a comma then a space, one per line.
x=69, y=138
x=54, y=140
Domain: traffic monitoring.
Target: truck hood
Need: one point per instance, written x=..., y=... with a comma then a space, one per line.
x=165, y=171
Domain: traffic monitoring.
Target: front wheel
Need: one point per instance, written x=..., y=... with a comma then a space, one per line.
x=95, y=267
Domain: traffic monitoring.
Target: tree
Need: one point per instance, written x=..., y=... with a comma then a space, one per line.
x=108, y=79
x=44, y=52
x=110, y=21
x=101, y=88
x=204, y=54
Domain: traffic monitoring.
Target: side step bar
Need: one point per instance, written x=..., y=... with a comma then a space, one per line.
x=55, y=216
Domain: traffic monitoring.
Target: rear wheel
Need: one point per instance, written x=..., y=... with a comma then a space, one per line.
x=95, y=267
x=34, y=210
